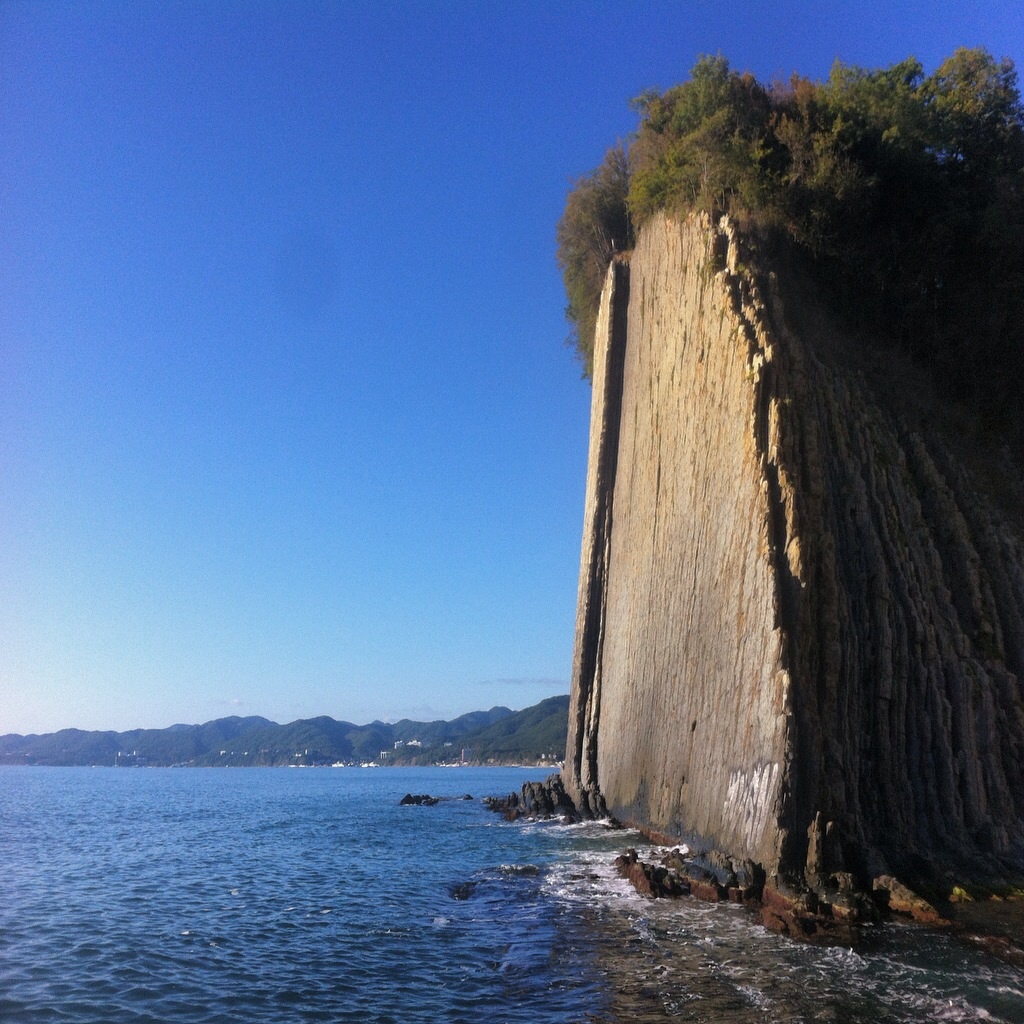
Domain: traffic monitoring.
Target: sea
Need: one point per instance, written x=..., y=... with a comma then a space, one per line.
x=288, y=895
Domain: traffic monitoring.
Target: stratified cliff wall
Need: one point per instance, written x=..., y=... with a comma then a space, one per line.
x=800, y=630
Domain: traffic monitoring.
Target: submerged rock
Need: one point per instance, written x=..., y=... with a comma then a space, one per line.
x=463, y=890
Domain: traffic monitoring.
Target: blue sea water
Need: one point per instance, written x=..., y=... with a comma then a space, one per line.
x=276, y=895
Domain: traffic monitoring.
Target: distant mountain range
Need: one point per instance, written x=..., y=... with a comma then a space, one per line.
x=498, y=736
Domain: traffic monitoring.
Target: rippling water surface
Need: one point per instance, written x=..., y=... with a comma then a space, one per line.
x=276, y=895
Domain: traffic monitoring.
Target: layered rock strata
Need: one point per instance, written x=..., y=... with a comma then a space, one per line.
x=800, y=629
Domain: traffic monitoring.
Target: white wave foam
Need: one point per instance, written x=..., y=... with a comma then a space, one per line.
x=755, y=997
x=953, y=1011
x=844, y=957
x=518, y=869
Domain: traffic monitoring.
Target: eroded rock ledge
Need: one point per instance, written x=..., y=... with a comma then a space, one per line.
x=837, y=914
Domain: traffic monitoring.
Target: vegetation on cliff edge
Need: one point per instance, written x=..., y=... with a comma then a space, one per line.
x=900, y=192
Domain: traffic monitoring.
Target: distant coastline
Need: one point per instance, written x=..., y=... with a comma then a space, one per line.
x=500, y=736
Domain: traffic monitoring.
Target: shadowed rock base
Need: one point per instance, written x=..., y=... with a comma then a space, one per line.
x=834, y=912
x=837, y=915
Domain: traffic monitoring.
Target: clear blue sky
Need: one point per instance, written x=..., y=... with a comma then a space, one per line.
x=287, y=425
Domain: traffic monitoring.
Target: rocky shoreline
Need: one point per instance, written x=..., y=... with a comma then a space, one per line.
x=547, y=799
x=834, y=910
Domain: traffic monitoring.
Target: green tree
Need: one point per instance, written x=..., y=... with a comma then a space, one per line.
x=704, y=143
x=976, y=113
x=595, y=225
x=901, y=192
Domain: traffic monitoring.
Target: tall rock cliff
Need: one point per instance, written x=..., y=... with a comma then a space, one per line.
x=800, y=630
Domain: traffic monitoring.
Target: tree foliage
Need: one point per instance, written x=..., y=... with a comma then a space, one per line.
x=901, y=191
x=702, y=144
x=596, y=223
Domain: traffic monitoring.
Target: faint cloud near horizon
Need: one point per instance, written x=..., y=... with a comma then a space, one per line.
x=233, y=702
x=560, y=684
x=414, y=713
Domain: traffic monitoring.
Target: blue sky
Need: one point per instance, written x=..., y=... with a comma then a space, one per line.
x=287, y=425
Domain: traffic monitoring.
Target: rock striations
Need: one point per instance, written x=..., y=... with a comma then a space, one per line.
x=800, y=630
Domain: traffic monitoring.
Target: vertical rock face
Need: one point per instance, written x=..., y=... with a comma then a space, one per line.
x=800, y=630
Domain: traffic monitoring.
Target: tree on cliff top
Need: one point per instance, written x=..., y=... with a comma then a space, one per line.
x=902, y=193
x=596, y=224
x=704, y=144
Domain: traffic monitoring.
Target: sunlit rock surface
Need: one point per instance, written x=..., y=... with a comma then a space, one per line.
x=800, y=628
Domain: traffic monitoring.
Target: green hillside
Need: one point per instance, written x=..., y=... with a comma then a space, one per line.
x=532, y=735
x=499, y=735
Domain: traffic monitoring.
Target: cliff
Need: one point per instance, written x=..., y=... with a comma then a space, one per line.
x=800, y=629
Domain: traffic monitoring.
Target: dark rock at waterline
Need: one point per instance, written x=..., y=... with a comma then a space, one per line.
x=899, y=900
x=543, y=800
x=799, y=915
x=834, y=911
x=653, y=880
x=419, y=800
x=426, y=800
x=506, y=806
